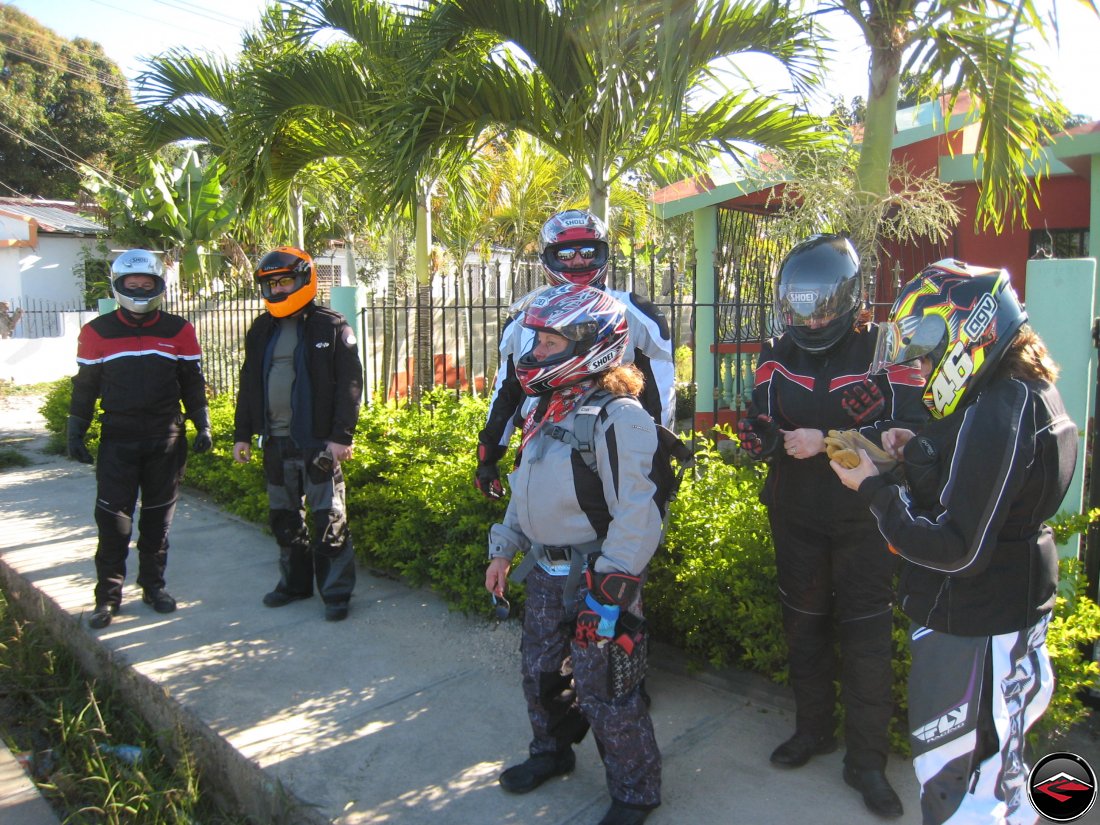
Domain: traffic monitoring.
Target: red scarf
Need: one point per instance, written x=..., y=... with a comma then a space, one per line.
x=561, y=404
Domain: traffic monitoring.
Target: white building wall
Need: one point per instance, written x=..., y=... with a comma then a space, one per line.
x=33, y=361
x=51, y=271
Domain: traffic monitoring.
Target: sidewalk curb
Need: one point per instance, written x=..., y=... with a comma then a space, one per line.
x=21, y=803
x=240, y=782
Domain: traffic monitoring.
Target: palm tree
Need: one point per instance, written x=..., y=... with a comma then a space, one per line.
x=964, y=46
x=533, y=182
x=613, y=86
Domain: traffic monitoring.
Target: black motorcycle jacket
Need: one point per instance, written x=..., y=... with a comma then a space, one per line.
x=805, y=389
x=140, y=373
x=328, y=384
x=981, y=562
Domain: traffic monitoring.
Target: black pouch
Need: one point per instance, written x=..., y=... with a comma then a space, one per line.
x=921, y=467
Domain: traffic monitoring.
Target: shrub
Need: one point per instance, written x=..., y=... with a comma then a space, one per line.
x=415, y=514
x=55, y=409
x=713, y=587
x=12, y=457
x=1074, y=627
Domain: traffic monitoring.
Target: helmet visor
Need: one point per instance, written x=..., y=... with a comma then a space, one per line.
x=140, y=286
x=576, y=255
x=815, y=306
x=905, y=341
x=268, y=283
x=276, y=262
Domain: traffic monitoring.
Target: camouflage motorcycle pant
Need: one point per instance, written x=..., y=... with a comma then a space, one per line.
x=567, y=689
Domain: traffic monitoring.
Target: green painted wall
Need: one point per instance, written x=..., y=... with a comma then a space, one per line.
x=1061, y=295
x=706, y=249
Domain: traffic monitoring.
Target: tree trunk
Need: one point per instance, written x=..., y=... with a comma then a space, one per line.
x=873, y=169
x=349, y=277
x=598, y=200
x=298, y=218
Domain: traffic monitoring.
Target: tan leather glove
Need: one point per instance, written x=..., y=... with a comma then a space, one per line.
x=843, y=446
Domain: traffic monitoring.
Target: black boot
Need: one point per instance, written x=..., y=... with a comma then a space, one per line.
x=796, y=751
x=101, y=616
x=528, y=775
x=621, y=813
x=878, y=796
x=279, y=598
x=159, y=599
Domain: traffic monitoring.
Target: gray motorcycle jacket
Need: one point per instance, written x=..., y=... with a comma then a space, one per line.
x=557, y=501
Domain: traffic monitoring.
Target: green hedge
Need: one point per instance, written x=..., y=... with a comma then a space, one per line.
x=415, y=514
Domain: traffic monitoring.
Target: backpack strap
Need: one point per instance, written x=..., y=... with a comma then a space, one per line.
x=582, y=437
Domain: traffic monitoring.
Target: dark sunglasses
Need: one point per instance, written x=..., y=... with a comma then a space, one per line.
x=567, y=254
x=501, y=608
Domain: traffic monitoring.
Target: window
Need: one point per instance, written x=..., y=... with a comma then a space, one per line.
x=1058, y=243
x=328, y=276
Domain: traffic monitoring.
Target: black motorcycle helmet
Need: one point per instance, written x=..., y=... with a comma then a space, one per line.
x=818, y=291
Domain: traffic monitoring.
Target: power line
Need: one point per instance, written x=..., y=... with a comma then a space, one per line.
x=133, y=13
x=61, y=160
x=12, y=189
x=83, y=72
x=41, y=39
x=41, y=35
x=69, y=153
x=202, y=11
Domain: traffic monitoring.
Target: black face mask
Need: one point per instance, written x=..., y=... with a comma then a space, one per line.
x=138, y=320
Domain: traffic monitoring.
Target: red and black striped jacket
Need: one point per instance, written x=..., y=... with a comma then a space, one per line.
x=805, y=389
x=139, y=373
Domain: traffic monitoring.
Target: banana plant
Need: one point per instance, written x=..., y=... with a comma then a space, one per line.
x=184, y=208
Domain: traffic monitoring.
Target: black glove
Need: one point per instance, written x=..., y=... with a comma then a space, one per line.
x=863, y=402
x=759, y=436
x=613, y=588
x=203, y=441
x=74, y=441
x=921, y=465
x=487, y=476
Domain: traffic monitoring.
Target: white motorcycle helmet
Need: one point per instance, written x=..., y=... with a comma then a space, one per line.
x=138, y=262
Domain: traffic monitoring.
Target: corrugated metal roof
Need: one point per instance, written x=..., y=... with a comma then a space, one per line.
x=53, y=216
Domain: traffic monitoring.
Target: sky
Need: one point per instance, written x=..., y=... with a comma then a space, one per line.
x=131, y=29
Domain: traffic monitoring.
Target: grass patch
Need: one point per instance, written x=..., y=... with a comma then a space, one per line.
x=68, y=726
x=9, y=389
x=12, y=457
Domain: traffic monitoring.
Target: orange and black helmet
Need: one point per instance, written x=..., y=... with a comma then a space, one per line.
x=286, y=262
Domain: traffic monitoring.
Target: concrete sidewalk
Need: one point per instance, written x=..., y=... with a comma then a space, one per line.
x=404, y=713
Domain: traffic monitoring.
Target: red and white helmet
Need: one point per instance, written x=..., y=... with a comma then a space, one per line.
x=592, y=322
x=573, y=248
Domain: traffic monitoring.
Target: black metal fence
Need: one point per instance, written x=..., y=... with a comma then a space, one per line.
x=461, y=316
x=221, y=320
x=27, y=317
